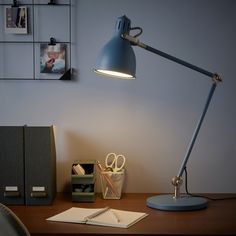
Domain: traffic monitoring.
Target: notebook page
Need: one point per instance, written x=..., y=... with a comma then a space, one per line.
x=117, y=218
x=74, y=215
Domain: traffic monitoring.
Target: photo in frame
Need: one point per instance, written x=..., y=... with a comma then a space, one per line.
x=52, y=58
x=16, y=20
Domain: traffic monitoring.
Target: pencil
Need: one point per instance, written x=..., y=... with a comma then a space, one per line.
x=97, y=213
x=108, y=180
x=115, y=216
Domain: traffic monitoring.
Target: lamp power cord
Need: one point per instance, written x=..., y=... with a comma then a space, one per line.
x=196, y=195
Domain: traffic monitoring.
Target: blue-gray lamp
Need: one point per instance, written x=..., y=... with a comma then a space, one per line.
x=117, y=59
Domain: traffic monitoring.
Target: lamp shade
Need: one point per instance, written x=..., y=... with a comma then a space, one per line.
x=117, y=58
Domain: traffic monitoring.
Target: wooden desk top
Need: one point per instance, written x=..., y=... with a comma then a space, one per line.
x=218, y=219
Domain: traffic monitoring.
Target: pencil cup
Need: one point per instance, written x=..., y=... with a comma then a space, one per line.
x=112, y=184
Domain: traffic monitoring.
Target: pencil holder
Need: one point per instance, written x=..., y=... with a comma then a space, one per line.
x=112, y=184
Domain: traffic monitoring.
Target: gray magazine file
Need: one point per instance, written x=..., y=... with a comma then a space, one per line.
x=27, y=165
x=11, y=165
x=40, y=165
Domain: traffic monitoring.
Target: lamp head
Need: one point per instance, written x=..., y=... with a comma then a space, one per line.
x=117, y=58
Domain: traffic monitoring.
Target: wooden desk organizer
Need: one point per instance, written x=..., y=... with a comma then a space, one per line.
x=83, y=186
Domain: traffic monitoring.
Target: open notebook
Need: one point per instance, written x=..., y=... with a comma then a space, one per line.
x=99, y=216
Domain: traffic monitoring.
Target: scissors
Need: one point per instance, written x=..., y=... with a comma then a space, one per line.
x=114, y=162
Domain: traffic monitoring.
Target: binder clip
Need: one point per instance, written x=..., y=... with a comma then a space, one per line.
x=52, y=2
x=15, y=4
x=52, y=42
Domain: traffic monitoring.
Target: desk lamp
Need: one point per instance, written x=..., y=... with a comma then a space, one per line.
x=117, y=59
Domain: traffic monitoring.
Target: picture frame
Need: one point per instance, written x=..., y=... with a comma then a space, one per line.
x=53, y=58
x=16, y=20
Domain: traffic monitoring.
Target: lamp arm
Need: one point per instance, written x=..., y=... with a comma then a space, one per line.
x=177, y=180
x=196, y=131
x=135, y=41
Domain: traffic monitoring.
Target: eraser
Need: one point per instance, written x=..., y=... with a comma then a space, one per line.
x=78, y=169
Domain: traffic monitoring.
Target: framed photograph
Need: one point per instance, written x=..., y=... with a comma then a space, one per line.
x=16, y=20
x=52, y=58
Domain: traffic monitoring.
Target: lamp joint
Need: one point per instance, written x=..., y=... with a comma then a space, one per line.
x=177, y=181
x=133, y=40
x=216, y=78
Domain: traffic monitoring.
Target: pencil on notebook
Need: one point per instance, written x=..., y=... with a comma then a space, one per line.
x=97, y=213
x=113, y=214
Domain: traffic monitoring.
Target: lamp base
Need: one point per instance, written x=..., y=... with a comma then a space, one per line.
x=183, y=203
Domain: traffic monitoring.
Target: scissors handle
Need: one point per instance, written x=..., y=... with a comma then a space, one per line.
x=114, y=162
x=119, y=163
x=109, y=161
